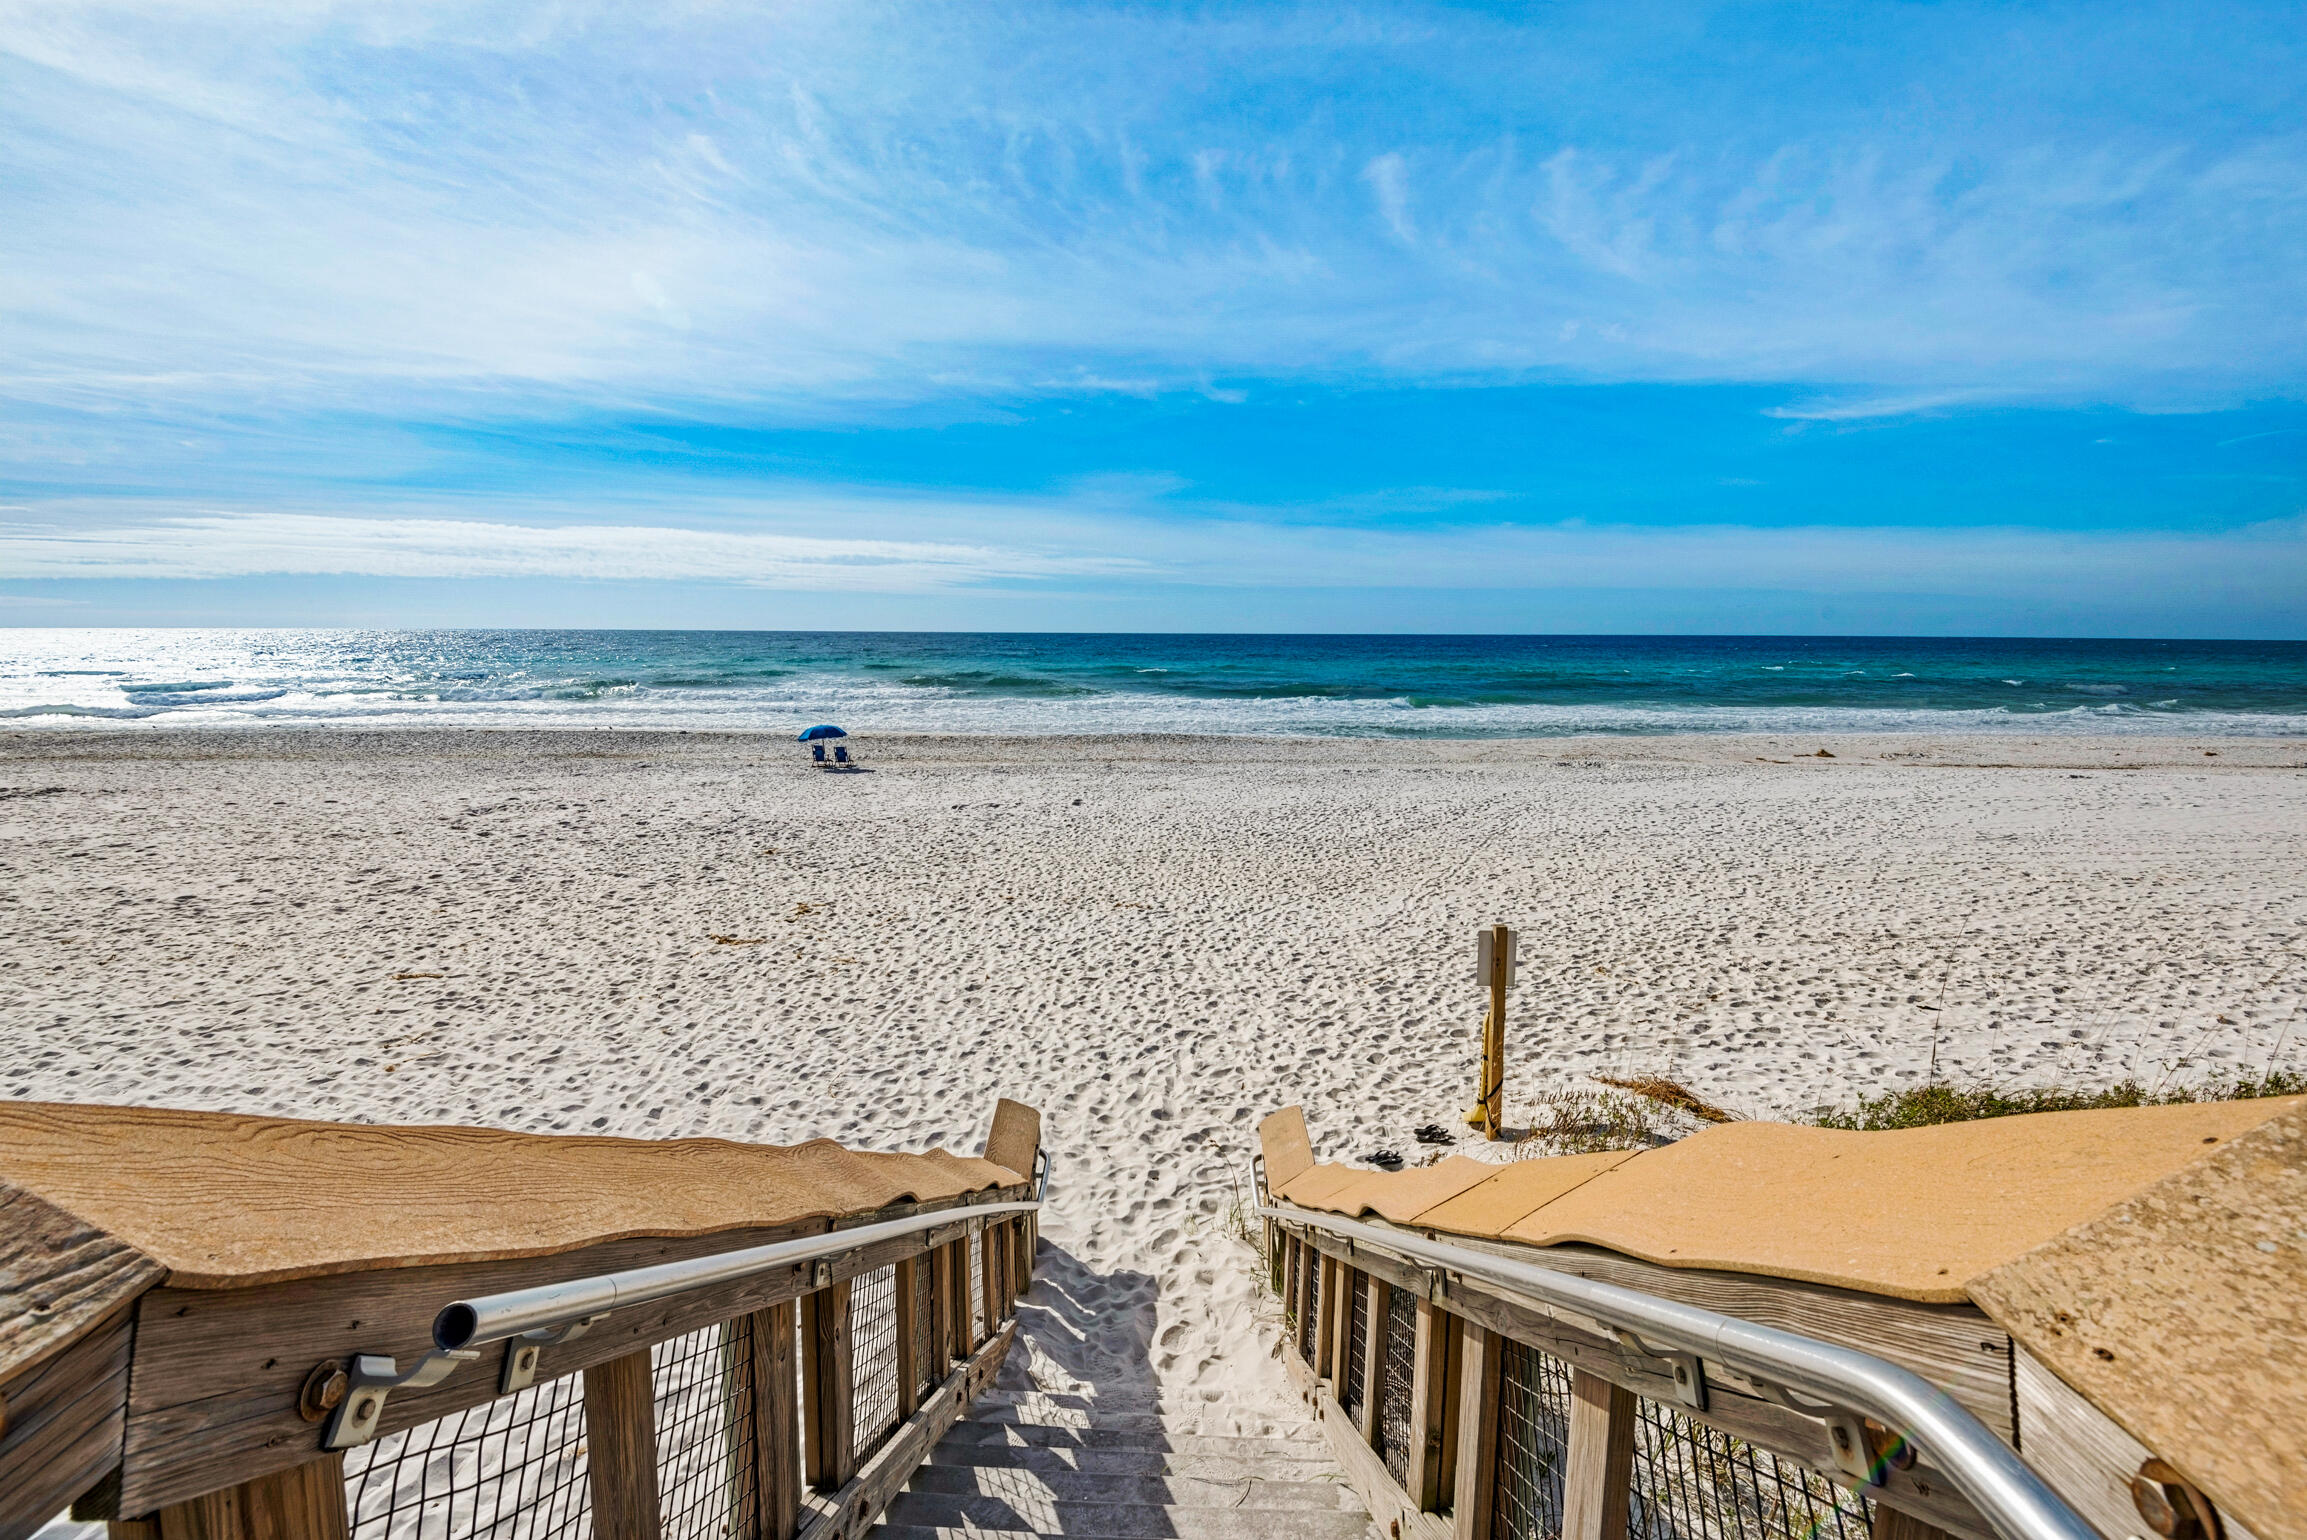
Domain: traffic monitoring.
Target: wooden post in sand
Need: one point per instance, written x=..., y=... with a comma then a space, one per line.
x=1494, y=966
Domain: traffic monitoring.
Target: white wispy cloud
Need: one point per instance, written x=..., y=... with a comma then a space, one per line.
x=1389, y=184
x=515, y=205
x=232, y=544
x=1106, y=536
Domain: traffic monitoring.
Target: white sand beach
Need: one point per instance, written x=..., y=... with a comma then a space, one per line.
x=1153, y=940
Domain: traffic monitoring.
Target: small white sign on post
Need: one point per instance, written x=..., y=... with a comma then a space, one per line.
x=1484, y=950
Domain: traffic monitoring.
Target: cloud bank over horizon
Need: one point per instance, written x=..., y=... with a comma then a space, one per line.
x=297, y=260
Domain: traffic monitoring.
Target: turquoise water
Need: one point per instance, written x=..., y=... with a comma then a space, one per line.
x=1329, y=685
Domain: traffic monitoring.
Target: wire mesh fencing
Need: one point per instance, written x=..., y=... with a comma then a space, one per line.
x=1694, y=1482
x=511, y=1470
x=1533, y=1444
x=703, y=1384
x=1293, y=1254
x=1354, y=1381
x=1394, y=1438
x=873, y=1357
x=1310, y=1324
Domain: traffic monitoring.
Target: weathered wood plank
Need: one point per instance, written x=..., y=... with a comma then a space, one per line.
x=908, y=1371
x=1014, y=1138
x=2084, y=1454
x=772, y=1340
x=1598, y=1471
x=1476, y=1472
x=64, y=1420
x=988, y=1283
x=1327, y=1299
x=1366, y=1473
x=1338, y=1348
x=2181, y=1313
x=621, y=1443
x=1453, y=1360
x=1890, y=1524
x=1955, y=1347
x=941, y=1325
x=59, y=1277
x=828, y=1375
x=968, y=1337
x=218, y=1371
x=1373, y=1355
x=304, y=1502
x=1430, y=1366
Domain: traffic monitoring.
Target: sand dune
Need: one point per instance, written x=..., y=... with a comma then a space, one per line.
x=1155, y=941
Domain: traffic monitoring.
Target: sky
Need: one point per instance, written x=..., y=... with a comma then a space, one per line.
x=1895, y=318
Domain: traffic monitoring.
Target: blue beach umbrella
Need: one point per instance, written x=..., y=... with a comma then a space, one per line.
x=822, y=730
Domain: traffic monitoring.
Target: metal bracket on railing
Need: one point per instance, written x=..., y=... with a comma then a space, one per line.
x=1845, y=1431
x=1846, y=1436
x=523, y=1352
x=529, y=1320
x=371, y=1378
x=1687, y=1370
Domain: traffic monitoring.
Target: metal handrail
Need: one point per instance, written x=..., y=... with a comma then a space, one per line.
x=534, y=1318
x=2016, y=1501
x=555, y=1307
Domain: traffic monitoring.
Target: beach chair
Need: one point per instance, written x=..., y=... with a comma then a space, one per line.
x=841, y=754
x=817, y=752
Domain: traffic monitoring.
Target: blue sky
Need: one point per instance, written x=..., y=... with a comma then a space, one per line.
x=1896, y=317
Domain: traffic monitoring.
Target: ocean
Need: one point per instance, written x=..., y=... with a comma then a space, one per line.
x=1408, y=686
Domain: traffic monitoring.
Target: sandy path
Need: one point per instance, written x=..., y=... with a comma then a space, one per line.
x=1156, y=942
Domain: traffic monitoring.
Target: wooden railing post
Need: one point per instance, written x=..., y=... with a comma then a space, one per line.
x=1374, y=1356
x=1891, y=1524
x=958, y=1276
x=1480, y=1355
x=769, y=1338
x=1433, y=1367
x=991, y=1267
x=1342, y=1330
x=305, y=1502
x=941, y=1333
x=990, y=1276
x=965, y=1294
x=1598, y=1471
x=621, y=1442
x=1325, y=1323
x=908, y=1370
x=827, y=1414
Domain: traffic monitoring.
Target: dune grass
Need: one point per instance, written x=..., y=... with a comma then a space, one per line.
x=1941, y=1102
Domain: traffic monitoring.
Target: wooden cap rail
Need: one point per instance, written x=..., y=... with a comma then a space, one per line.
x=1908, y=1214
x=184, y=1296
x=2121, y=1293
x=1840, y=1386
